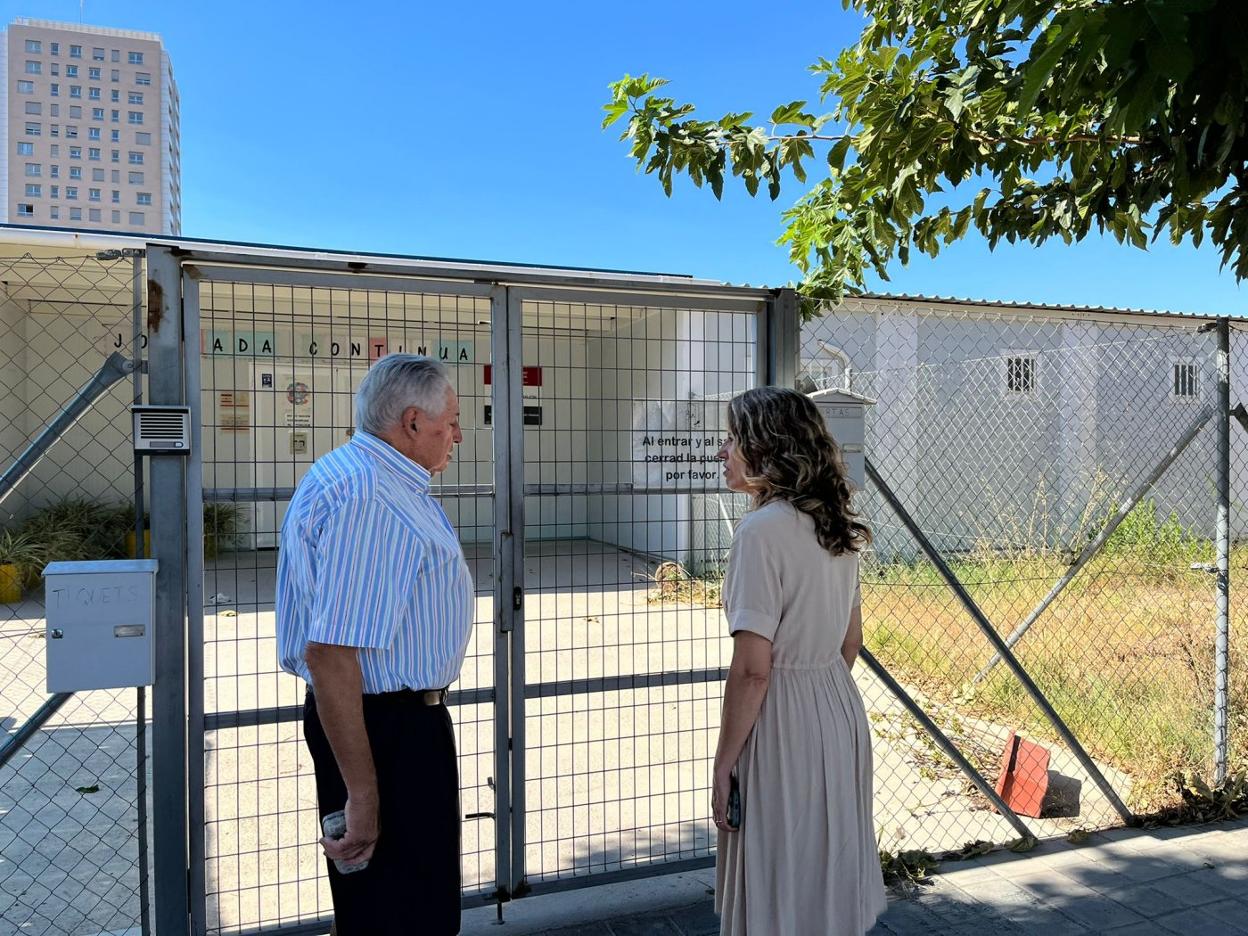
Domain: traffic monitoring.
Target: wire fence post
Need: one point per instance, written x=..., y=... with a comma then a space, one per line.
x=168, y=485
x=1222, y=639
x=140, y=551
x=783, y=345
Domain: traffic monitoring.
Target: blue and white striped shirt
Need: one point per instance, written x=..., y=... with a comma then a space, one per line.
x=368, y=559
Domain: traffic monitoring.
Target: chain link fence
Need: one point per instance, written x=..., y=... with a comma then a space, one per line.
x=1020, y=440
x=1062, y=462
x=71, y=786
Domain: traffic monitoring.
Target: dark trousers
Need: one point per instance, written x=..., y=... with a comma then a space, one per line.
x=411, y=884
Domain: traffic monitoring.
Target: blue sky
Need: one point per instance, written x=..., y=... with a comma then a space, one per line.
x=472, y=130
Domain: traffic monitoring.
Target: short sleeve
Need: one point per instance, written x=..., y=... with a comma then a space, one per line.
x=753, y=599
x=365, y=564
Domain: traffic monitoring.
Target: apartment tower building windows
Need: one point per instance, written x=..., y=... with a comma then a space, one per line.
x=96, y=65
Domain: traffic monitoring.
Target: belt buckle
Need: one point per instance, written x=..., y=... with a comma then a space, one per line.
x=434, y=696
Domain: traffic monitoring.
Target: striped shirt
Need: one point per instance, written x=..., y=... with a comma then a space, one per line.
x=369, y=560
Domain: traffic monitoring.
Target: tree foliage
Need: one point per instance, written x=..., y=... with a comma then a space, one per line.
x=1027, y=119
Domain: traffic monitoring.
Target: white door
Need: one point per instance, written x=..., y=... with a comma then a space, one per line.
x=302, y=411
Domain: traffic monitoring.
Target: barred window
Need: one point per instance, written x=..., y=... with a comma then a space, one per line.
x=1020, y=374
x=1186, y=380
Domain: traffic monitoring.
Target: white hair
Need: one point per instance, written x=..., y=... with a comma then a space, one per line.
x=396, y=382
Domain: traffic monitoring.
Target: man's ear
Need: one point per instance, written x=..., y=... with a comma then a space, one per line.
x=411, y=418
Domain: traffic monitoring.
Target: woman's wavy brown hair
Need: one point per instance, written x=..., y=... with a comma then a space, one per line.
x=790, y=455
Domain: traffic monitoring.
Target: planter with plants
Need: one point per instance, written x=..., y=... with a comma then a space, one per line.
x=75, y=531
x=223, y=527
x=21, y=558
x=124, y=520
x=78, y=531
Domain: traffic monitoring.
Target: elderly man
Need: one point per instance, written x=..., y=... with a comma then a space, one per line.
x=374, y=610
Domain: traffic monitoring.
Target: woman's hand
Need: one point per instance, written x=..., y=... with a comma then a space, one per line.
x=721, y=783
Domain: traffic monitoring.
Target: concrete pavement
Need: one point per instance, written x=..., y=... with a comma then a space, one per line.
x=1191, y=881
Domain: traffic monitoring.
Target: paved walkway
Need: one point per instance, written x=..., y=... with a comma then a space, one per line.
x=1191, y=881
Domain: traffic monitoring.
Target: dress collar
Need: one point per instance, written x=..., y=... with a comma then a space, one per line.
x=398, y=463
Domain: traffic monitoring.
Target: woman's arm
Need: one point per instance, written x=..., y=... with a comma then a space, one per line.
x=748, y=678
x=853, y=637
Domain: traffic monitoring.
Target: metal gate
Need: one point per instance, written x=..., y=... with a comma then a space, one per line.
x=623, y=400
x=565, y=534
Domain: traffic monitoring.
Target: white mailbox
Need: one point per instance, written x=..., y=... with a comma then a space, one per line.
x=100, y=624
x=845, y=413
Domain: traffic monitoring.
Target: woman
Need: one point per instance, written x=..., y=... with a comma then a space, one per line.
x=794, y=732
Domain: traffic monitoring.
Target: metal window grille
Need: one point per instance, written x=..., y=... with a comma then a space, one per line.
x=1186, y=379
x=1020, y=374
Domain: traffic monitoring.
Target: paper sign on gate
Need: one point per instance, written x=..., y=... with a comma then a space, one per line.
x=675, y=445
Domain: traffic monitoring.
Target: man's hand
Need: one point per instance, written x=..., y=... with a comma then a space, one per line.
x=362, y=830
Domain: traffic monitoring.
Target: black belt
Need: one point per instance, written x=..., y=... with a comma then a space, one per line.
x=425, y=696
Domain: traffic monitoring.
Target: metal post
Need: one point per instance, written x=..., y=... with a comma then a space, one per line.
x=783, y=341
x=513, y=450
x=140, y=524
x=994, y=638
x=168, y=485
x=762, y=342
x=506, y=568
x=195, y=771
x=950, y=749
x=1102, y=538
x=1222, y=639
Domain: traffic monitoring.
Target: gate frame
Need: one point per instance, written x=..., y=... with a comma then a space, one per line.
x=180, y=727
x=776, y=351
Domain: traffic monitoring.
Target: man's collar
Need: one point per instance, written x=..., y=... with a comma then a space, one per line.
x=392, y=458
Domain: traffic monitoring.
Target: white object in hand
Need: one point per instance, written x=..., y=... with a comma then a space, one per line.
x=334, y=826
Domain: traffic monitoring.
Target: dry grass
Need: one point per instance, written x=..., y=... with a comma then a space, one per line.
x=1125, y=655
x=673, y=583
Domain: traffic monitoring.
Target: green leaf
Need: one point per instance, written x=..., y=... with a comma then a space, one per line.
x=94, y=788
x=1065, y=115
x=1038, y=70
x=1173, y=59
x=615, y=111
x=838, y=152
x=734, y=120
x=791, y=113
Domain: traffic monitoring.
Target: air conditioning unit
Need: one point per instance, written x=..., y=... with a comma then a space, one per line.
x=162, y=430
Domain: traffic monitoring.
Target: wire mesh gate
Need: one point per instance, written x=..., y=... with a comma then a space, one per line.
x=279, y=358
x=622, y=415
x=584, y=719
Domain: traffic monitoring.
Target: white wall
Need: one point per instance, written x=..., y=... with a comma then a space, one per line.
x=975, y=464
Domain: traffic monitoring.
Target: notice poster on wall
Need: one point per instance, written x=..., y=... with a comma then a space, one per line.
x=675, y=445
x=233, y=410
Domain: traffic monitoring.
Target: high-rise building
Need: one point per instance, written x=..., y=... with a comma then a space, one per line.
x=89, y=129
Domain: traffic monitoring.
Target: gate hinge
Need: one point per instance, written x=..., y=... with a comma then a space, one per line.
x=517, y=598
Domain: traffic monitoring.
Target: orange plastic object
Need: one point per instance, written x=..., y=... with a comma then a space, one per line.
x=1024, y=777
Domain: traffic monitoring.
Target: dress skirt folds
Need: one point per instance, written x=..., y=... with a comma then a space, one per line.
x=804, y=860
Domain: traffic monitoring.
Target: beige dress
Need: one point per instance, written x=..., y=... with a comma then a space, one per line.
x=804, y=861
